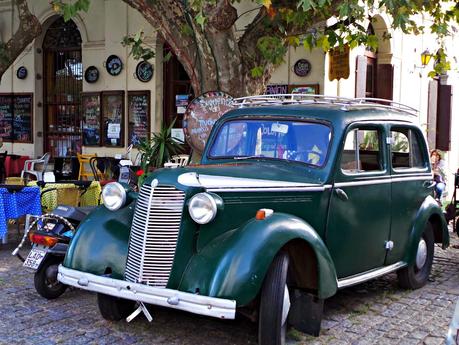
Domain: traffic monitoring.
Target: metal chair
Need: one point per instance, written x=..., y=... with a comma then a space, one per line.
x=36, y=167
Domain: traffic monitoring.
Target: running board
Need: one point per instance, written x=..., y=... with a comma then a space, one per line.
x=360, y=278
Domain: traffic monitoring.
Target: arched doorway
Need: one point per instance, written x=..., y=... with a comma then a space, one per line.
x=62, y=86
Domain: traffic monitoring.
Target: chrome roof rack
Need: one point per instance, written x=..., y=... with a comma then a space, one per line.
x=344, y=102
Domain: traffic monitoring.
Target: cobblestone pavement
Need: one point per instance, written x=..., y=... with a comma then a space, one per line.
x=377, y=312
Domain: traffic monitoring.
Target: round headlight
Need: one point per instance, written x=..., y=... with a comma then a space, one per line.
x=202, y=208
x=114, y=196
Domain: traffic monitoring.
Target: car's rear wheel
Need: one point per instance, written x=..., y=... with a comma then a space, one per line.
x=416, y=275
x=114, y=308
x=274, y=303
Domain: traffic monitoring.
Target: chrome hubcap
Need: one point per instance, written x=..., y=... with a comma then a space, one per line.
x=286, y=305
x=421, y=256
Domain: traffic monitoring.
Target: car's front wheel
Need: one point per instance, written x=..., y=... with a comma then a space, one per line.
x=274, y=303
x=114, y=308
x=416, y=275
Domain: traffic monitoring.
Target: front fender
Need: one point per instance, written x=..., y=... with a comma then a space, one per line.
x=429, y=211
x=101, y=242
x=234, y=264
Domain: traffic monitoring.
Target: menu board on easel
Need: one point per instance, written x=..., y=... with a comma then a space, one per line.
x=113, y=118
x=138, y=116
x=90, y=109
x=23, y=116
x=6, y=116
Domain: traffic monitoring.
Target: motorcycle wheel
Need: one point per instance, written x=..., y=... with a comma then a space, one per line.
x=45, y=279
x=114, y=308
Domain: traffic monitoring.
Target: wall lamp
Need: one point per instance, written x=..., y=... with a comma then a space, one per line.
x=425, y=57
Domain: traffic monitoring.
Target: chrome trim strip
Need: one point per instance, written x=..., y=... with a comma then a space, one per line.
x=360, y=278
x=193, y=179
x=273, y=189
x=414, y=178
x=362, y=183
x=197, y=304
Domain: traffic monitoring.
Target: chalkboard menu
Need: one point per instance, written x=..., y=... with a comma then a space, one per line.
x=16, y=116
x=113, y=118
x=6, y=116
x=90, y=109
x=22, y=112
x=138, y=115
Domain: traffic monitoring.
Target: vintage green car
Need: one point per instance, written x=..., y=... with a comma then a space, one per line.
x=294, y=199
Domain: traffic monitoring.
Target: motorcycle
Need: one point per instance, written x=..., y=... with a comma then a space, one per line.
x=50, y=235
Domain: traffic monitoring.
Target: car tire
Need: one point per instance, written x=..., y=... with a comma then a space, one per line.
x=46, y=286
x=114, y=308
x=272, y=325
x=417, y=274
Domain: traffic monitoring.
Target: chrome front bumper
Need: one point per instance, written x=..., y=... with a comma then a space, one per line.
x=203, y=305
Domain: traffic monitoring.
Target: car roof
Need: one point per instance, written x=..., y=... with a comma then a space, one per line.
x=334, y=113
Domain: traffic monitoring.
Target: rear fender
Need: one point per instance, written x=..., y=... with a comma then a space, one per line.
x=428, y=212
x=234, y=264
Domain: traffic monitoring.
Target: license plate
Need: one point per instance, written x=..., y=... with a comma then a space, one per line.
x=34, y=258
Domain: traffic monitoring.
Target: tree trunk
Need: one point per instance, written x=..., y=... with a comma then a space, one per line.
x=29, y=29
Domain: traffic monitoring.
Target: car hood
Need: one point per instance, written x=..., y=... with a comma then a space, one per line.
x=242, y=175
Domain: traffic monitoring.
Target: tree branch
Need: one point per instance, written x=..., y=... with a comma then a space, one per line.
x=29, y=29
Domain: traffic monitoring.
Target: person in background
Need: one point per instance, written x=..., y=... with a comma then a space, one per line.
x=439, y=173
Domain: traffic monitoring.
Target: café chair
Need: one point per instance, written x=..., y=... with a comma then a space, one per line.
x=180, y=160
x=85, y=172
x=36, y=167
x=69, y=196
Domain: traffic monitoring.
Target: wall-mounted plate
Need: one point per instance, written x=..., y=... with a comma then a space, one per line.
x=91, y=75
x=144, y=71
x=114, y=65
x=21, y=73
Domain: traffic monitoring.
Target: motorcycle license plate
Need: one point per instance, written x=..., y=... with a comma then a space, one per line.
x=34, y=258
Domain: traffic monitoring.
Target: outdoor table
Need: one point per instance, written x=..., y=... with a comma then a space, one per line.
x=17, y=201
x=14, y=164
x=91, y=197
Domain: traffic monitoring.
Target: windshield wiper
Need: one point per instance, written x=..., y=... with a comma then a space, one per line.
x=246, y=157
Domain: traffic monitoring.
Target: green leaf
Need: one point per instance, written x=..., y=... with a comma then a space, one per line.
x=257, y=72
x=200, y=19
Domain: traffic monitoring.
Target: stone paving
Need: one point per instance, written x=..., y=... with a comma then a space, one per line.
x=377, y=312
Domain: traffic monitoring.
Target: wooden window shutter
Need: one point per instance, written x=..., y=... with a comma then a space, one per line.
x=385, y=81
x=443, y=141
x=360, y=76
x=432, y=113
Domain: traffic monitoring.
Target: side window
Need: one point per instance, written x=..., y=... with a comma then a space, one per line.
x=405, y=149
x=362, y=151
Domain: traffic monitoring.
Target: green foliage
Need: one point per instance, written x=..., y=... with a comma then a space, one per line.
x=70, y=10
x=158, y=150
x=139, y=50
x=272, y=48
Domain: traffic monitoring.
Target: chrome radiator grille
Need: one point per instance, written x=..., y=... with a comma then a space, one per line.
x=154, y=233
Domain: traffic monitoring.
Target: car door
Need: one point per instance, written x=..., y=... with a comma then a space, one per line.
x=359, y=214
x=411, y=184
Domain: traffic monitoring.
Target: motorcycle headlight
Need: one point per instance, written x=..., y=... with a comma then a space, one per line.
x=202, y=208
x=114, y=196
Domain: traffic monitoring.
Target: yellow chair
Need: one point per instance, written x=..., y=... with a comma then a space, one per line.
x=85, y=171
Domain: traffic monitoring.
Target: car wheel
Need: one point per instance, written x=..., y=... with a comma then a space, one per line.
x=416, y=275
x=274, y=303
x=114, y=308
x=45, y=279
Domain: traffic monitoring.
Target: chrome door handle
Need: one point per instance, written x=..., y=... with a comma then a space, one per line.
x=341, y=194
x=429, y=184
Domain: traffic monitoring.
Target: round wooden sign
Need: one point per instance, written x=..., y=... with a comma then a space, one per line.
x=201, y=114
x=114, y=65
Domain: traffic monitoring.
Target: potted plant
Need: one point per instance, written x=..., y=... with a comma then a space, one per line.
x=158, y=150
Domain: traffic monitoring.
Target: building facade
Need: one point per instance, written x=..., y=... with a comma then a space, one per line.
x=76, y=89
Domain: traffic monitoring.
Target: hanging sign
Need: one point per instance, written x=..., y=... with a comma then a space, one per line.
x=201, y=114
x=302, y=68
x=338, y=63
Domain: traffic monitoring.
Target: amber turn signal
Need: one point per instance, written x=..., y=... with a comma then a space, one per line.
x=263, y=213
x=48, y=241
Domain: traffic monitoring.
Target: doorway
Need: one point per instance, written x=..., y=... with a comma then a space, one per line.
x=62, y=86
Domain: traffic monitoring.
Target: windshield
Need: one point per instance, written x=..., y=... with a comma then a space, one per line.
x=300, y=141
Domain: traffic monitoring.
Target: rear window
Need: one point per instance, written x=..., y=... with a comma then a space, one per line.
x=301, y=141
